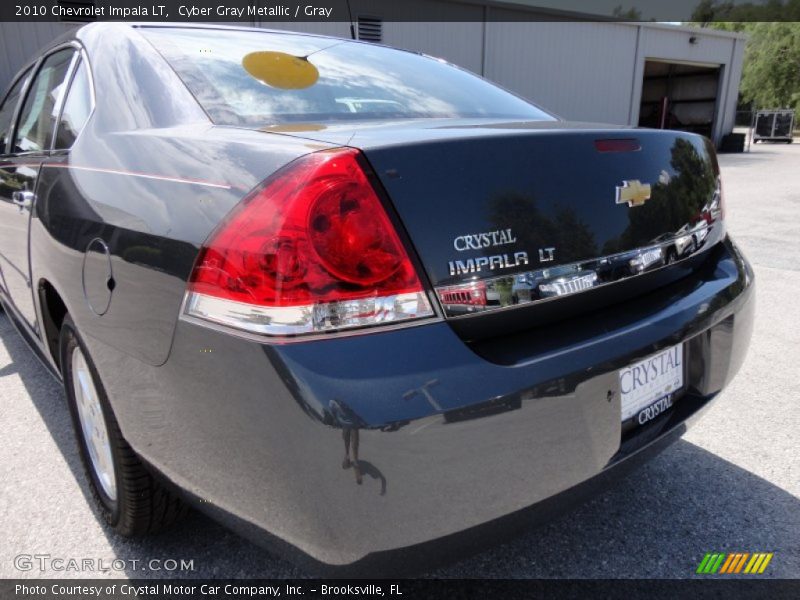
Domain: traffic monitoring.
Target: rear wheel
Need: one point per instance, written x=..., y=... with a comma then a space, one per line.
x=130, y=500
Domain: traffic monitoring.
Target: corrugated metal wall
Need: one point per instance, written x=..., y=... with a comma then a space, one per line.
x=20, y=41
x=458, y=39
x=559, y=66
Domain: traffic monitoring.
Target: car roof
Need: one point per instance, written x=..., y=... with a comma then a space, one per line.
x=214, y=26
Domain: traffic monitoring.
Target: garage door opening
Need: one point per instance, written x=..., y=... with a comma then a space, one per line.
x=679, y=96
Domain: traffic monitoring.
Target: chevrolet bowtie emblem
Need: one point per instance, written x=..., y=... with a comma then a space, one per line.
x=633, y=193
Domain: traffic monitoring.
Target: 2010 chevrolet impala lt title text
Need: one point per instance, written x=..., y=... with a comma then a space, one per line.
x=239, y=250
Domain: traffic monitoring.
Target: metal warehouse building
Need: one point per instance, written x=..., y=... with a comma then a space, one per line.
x=587, y=70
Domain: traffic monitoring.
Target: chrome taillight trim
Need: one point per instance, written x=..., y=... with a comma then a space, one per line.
x=320, y=318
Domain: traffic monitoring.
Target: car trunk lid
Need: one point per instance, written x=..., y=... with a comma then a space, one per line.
x=504, y=215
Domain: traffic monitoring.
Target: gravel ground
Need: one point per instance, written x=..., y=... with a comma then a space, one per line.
x=732, y=484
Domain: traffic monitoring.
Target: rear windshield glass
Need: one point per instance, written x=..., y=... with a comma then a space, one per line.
x=256, y=79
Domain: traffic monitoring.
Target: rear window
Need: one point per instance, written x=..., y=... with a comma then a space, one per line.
x=343, y=80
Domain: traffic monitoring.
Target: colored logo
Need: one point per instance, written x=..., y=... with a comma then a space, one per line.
x=633, y=193
x=715, y=563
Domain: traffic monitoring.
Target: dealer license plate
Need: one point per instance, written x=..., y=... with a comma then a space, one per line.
x=651, y=384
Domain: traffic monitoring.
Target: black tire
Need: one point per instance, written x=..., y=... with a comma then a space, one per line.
x=142, y=504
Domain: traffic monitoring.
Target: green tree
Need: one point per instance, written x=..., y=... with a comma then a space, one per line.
x=771, y=73
x=771, y=77
x=630, y=14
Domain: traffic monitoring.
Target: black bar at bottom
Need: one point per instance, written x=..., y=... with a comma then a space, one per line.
x=456, y=589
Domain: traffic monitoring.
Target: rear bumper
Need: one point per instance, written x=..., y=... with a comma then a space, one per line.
x=455, y=442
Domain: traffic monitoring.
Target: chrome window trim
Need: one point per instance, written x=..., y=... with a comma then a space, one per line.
x=83, y=59
x=59, y=108
x=35, y=73
x=30, y=70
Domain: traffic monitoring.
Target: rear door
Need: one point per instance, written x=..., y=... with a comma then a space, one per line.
x=8, y=110
x=26, y=146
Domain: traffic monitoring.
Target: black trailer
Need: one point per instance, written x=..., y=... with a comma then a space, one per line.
x=774, y=126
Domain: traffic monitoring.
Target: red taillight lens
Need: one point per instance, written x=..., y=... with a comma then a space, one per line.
x=310, y=250
x=352, y=236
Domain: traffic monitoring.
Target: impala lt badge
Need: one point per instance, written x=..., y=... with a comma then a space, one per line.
x=633, y=193
x=488, y=263
x=547, y=254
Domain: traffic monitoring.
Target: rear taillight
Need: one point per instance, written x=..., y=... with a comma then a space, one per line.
x=469, y=294
x=311, y=250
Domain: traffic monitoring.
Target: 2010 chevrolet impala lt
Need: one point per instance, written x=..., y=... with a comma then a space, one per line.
x=353, y=302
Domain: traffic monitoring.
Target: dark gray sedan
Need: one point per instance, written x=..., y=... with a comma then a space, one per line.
x=351, y=301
